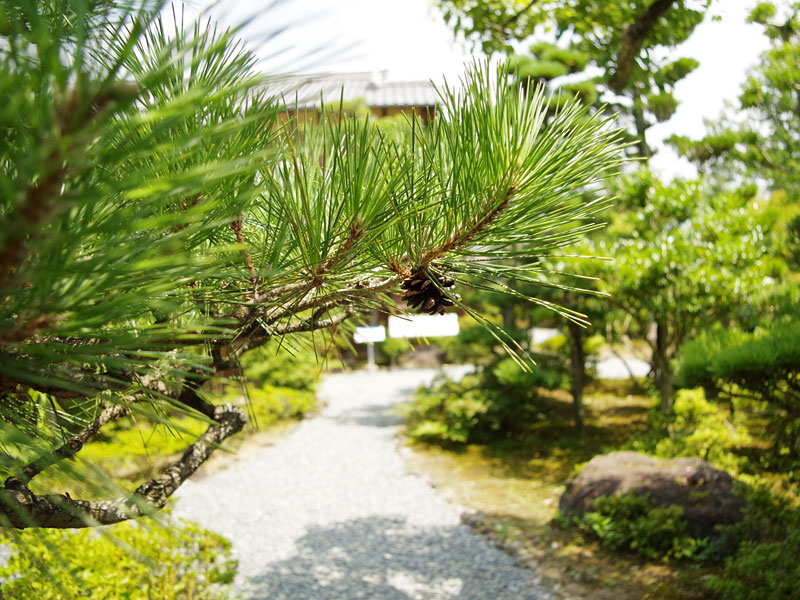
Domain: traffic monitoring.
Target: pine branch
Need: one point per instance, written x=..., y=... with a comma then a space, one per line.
x=464, y=236
x=312, y=324
x=236, y=226
x=21, y=508
x=39, y=196
x=74, y=444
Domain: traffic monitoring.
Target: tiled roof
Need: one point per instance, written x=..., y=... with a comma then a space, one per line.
x=307, y=90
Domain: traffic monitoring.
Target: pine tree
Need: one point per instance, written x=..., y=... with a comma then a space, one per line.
x=163, y=214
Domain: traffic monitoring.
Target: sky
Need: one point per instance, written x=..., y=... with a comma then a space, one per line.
x=409, y=40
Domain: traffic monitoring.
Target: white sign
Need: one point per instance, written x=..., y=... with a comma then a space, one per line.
x=369, y=335
x=418, y=326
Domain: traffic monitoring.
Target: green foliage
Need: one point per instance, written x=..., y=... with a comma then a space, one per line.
x=395, y=347
x=768, y=538
x=695, y=427
x=126, y=561
x=498, y=402
x=278, y=365
x=761, y=571
x=631, y=523
x=763, y=366
x=684, y=255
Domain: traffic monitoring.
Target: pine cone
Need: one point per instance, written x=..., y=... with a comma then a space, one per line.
x=424, y=292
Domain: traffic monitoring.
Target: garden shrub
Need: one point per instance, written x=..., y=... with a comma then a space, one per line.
x=129, y=561
x=695, y=428
x=473, y=344
x=507, y=373
x=448, y=411
x=630, y=523
x=394, y=348
x=762, y=366
x=278, y=365
x=765, y=548
x=498, y=402
x=761, y=571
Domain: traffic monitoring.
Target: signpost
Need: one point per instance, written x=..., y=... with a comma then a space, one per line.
x=422, y=326
x=369, y=336
x=414, y=326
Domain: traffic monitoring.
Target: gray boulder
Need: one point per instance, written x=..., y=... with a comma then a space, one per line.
x=704, y=492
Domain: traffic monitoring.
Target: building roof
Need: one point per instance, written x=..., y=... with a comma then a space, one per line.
x=372, y=88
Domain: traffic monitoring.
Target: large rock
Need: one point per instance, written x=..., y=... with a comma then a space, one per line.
x=705, y=493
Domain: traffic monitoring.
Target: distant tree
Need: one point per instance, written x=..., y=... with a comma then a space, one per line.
x=684, y=258
x=762, y=140
x=162, y=214
x=623, y=42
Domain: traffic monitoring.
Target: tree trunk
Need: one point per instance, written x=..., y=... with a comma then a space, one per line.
x=641, y=127
x=664, y=377
x=578, y=364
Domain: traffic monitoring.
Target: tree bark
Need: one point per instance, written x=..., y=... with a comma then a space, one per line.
x=633, y=39
x=664, y=376
x=21, y=508
x=641, y=127
x=578, y=365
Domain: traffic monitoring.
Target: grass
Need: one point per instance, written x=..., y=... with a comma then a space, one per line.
x=515, y=485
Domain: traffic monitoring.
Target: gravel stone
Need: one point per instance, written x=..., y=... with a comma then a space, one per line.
x=330, y=513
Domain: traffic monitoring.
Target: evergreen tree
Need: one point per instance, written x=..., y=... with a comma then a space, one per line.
x=162, y=215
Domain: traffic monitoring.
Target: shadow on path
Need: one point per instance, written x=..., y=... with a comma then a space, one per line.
x=371, y=415
x=385, y=558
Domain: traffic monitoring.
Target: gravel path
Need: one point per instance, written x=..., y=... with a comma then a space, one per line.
x=329, y=512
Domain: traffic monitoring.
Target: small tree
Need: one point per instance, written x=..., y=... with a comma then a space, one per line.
x=685, y=257
x=162, y=215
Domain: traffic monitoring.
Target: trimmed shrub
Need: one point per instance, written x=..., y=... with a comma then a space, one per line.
x=130, y=561
x=696, y=428
x=630, y=523
x=761, y=571
x=277, y=365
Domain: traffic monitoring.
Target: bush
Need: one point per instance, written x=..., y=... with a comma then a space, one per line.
x=696, y=427
x=763, y=366
x=269, y=404
x=629, y=522
x=473, y=344
x=277, y=365
x=448, y=411
x=761, y=571
x=128, y=561
x=765, y=547
x=499, y=402
x=394, y=348
x=507, y=373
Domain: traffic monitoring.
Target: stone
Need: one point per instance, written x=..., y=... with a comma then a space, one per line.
x=704, y=492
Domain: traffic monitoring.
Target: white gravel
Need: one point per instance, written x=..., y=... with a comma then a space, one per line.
x=330, y=513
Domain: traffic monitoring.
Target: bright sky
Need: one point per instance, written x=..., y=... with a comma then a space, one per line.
x=409, y=40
